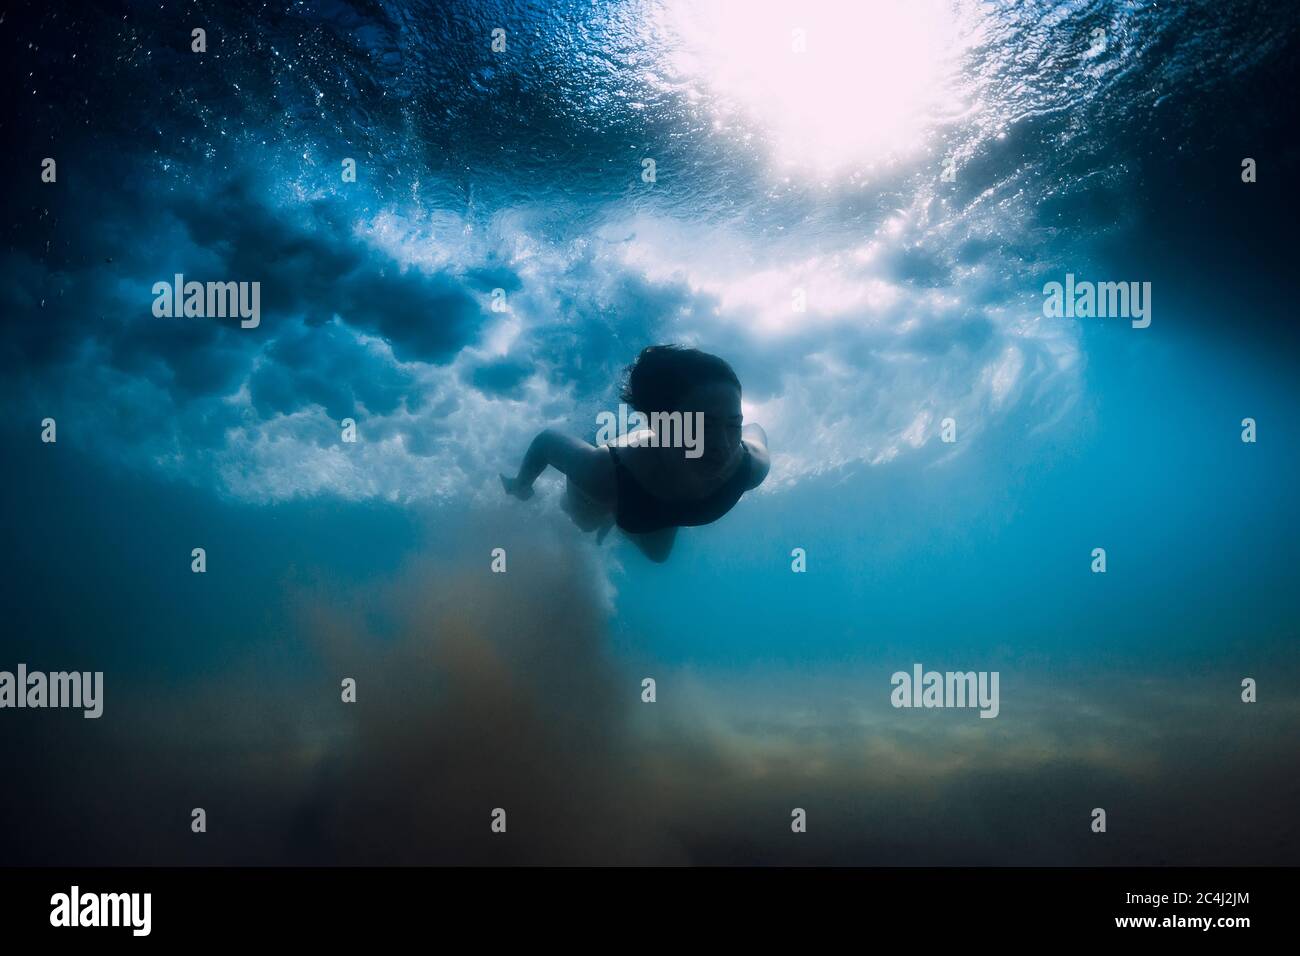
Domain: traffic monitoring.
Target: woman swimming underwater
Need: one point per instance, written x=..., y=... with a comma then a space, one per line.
x=645, y=483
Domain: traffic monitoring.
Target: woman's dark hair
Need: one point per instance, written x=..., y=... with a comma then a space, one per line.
x=662, y=374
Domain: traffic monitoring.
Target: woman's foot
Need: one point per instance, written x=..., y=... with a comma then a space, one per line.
x=515, y=489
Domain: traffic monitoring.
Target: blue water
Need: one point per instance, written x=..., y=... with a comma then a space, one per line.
x=1115, y=156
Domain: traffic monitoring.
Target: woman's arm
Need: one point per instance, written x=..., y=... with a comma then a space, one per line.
x=760, y=463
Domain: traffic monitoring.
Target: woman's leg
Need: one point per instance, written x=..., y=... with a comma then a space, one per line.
x=589, y=468
x=586, y=512
x=655, y=545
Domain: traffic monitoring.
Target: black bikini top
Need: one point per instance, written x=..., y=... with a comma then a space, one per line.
x=638, y=511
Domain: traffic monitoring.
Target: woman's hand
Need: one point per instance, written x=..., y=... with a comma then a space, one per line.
x=760, y=463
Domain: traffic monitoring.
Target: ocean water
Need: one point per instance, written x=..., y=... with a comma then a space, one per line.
x=858, y=205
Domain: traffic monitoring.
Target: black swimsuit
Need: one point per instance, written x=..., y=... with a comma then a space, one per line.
x=637, y=511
